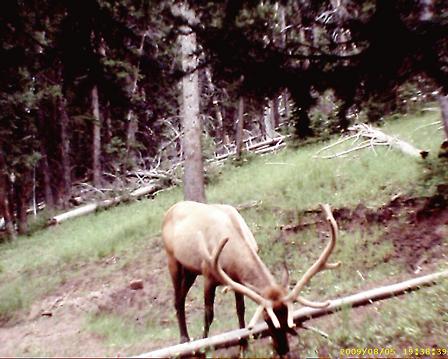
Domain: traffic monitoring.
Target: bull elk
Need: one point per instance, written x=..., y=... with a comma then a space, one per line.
x=213, y=240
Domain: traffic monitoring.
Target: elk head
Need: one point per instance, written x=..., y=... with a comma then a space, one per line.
x=214, y=240
x=274, y=303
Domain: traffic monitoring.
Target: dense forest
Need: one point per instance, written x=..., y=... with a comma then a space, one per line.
x=92, y=92
x=265, y=110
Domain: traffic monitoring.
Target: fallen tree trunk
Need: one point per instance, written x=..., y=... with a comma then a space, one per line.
x=443, y=101
x=92, y=207
x=393, y=141
x=271, y=142
x=373, y=137
x=270, y=149
x=233, y=338
x=401, y=145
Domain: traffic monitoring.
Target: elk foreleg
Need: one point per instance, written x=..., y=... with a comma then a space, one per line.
x=239, y=300
x=182, y=282
x=209, y=300
x=240, y=309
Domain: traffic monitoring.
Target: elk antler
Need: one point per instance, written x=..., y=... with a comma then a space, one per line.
x=240, y=288
x=318, y=266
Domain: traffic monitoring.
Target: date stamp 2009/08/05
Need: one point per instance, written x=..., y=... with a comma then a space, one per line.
x=438, y=352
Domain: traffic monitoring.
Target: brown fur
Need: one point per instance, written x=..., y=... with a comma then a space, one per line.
x=275, y=294
x=191, y=231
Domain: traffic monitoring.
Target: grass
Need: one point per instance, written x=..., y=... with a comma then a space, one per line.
x=120, y=332
x=287, y=183
x=418, y=319
x=294, y=179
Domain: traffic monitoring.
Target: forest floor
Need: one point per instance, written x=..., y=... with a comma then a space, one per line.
x=60, y=296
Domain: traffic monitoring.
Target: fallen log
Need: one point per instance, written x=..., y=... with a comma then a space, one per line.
x=233, y=337
x=270, y=149
x=92, y=207
x=271, y=142
x=393, y=141
x=374, y=137
x=248, y=205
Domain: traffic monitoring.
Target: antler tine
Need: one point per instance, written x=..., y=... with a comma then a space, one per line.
x=271, y=313
x=309, y=303
x=319, y=265
x=255, y=317
x=237, y=287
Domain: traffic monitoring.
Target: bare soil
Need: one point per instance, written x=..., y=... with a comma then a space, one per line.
x=56, y=325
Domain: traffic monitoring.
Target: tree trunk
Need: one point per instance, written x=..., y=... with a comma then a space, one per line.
x=219, y=119
x=443, y=101
x=130, y=139
x=22, y=192
x=267, y=119
x=65, y=154
x=261, y=124
x=342, y=115
x=107, y=121
x=282, y=24
x=44, y=167
x=240, y=127
x=193, y=165
x=303, y=124
x=275, y=116
x=132, y=117
x=5, y=205
x=96, y=145
x=285, y=98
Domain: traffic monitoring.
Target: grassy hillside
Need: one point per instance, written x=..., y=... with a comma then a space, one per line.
x=102, y=252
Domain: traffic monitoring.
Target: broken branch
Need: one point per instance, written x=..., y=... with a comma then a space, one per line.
x=374, y=137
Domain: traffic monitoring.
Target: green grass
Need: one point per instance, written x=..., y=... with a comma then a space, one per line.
x=418, y=319
x=294, y=179
x=287, y=183
x=119, y=332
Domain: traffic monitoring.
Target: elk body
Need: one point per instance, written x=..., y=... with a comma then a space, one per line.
x=214, y=241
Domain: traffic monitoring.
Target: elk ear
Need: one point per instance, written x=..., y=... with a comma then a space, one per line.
x=285, y=276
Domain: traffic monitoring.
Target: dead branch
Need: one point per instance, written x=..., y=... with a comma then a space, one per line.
x=427, y=125
x=153, y=174
x=343, y=139
x=277, y=141
x=372, y=137
x=271, y=149
x=392, y=141
x=233, y=338
x=343, y=153
x=248, y=205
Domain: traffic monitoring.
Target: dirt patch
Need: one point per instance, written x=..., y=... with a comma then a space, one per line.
x=49, y=336
x=418, y=239
x=56, y=324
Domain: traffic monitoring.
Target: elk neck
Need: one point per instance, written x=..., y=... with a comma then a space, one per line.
x=252, y=272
